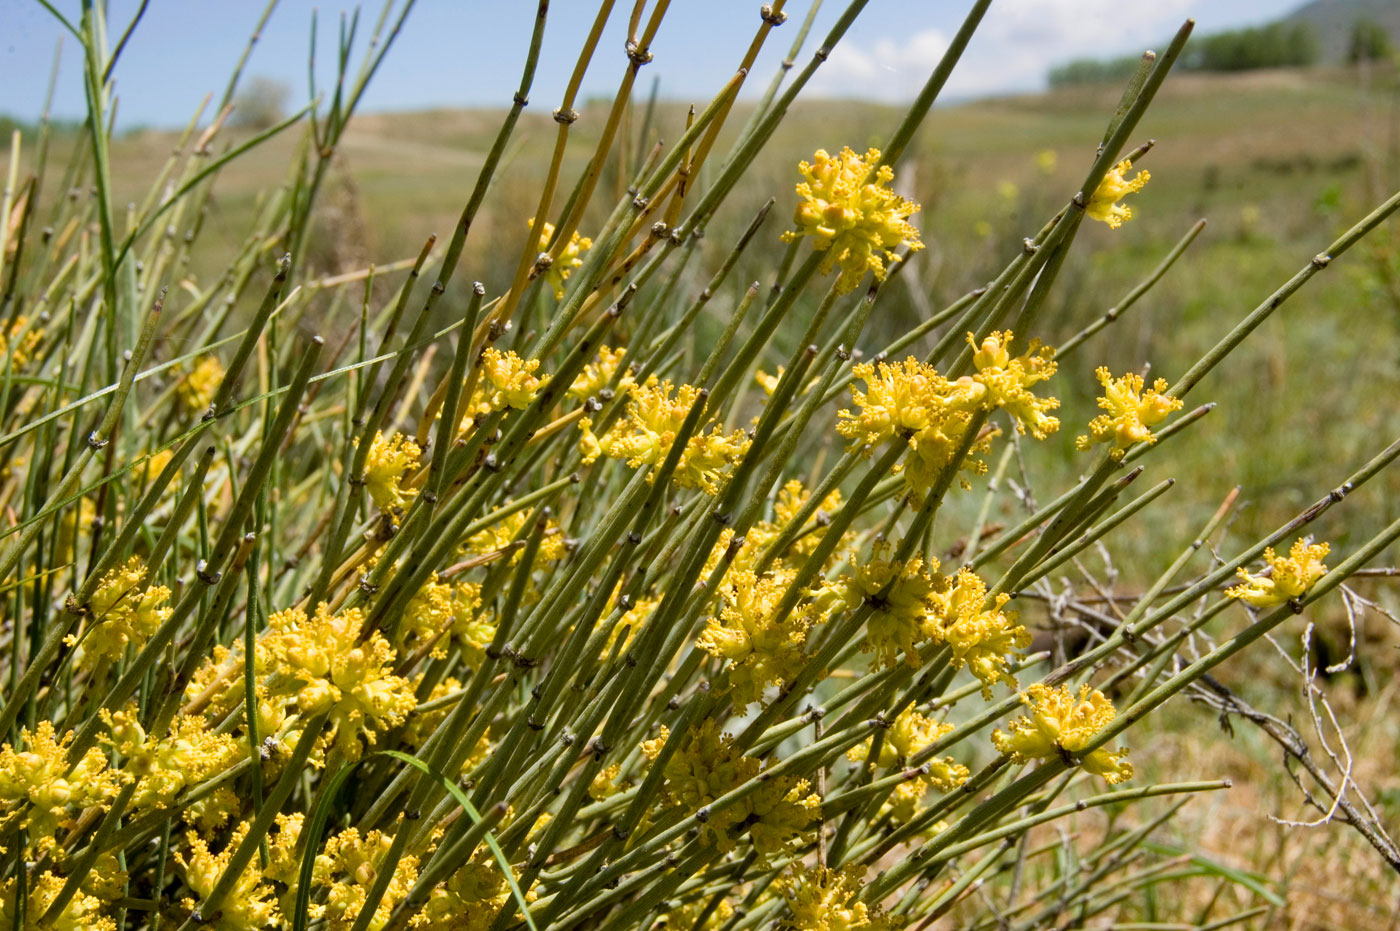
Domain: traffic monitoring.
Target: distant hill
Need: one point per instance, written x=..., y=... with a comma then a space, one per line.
x=1317, y=33
x=1332, y=20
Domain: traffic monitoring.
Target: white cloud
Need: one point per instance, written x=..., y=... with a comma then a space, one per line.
x=1013, y=49
x=891, y=69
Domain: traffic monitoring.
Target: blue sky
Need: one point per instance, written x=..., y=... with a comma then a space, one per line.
x=467, y=52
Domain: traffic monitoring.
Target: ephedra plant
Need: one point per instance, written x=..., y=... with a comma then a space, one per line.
x=491, y=610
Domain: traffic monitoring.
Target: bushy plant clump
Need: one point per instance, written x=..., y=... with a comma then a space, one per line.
x=527, y=620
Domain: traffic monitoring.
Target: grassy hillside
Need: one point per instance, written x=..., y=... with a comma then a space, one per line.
x=1276, y=162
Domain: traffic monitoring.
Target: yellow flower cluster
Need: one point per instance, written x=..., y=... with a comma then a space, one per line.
x=1288, y=578
x=211, y=812
x=708, y=766
x=645, y=434
x=249, y=906
x=764, y=648
x=284, y=862
x=568, y=260
x=792, y=497
x=1131, y=411
x=910, y=402
x=320, y=663
x=507, y=381
x=906, y=615
x=598, y=375
x=627, y=625
x=604, y=785
x=82, y=913
x=1060, y=723
x=649, y=428
x=196, y=390
x=122, y=613
x=909, y=734
x=389, y=462
x=211, y=691
x=983, y=638
x=921, y=606
x=55, y=787
x=498, y=537
x=824, y=899
x=710, y=458
x=913, y=605
x=347, y=866
x=1008, y=381
x=468, y=900
x=18, y=345
x=187, y=754
x=447, y=612
x=504, y=381
x=1116, y=185
x=852, y=215
x=769, y=383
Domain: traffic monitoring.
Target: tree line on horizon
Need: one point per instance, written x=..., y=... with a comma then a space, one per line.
x=1276, y=45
